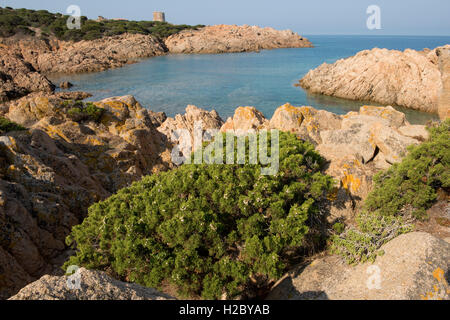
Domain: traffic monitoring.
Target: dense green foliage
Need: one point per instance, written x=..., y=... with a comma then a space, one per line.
x=80, y=111
x=207, y=229
x=13, y=21
x=7, y=126
x=411, y=185
x=401, y=194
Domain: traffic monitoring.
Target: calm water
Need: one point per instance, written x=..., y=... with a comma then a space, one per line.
x=223, y=82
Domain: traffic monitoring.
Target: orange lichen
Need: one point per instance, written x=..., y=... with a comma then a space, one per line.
x=246, y=113
x=350, y=182
x=55, y=132
x=438, y=274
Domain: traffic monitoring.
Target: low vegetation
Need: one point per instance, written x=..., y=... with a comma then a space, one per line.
x=81, y=111
x=401, y=194
x=24, y=21
x=212, y=230
x=7, y=126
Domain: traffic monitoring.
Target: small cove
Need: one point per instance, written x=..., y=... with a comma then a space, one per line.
x=223, y=82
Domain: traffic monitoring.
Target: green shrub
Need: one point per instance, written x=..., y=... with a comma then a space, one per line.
x=401, y=194
x=207, y=229
x=7, y=126
x=363, y=243
x=80, y=111
x=14, y=21
x=411, y=185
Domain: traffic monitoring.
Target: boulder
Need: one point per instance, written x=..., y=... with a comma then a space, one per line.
x=417, y=132
x=65, y=85
x=181, y=129
x=394, y=118
x=287, y=118
x=245, y=118
x=414, y=266
x=390, y=142
x=86, y=285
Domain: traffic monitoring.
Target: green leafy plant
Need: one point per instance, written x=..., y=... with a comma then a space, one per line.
x=207, y=229
x=401, y=194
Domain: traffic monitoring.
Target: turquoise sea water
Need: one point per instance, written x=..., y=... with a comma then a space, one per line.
x=223, y=82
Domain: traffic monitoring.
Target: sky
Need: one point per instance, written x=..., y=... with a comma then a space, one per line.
x=397, y=17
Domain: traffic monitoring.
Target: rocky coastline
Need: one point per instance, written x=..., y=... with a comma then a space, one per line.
x=60, y=164
x=26, y=60
x=63, y=154
x=413, y=79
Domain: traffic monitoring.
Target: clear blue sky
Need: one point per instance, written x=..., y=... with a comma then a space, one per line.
x=398, y=17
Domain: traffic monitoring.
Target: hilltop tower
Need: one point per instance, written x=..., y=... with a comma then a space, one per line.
x=159, y=16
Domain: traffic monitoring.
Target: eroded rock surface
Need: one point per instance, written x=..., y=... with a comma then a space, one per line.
x=18, y=78
x=414, y=266
x=51, y=173
x=55, y=56
x=187, y=131
x=356, y=145
x=232, y=38
x=412, y=79
x=93, y=285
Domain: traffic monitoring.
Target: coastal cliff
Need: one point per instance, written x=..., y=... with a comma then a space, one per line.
x=232, y=38
x=413, y=79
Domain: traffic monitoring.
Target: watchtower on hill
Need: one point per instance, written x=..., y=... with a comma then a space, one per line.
x=159, y=16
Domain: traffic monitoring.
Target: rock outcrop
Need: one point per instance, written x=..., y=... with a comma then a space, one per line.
x=51, y=173
x=18, y=78
x=55, y=56
x=414, y=266
x=232, y=38
x=186, y=131
x=86, y=285
x=412, y=79
x=356, y=145
x=443, y=54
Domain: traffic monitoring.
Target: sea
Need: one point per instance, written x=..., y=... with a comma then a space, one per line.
x=224, y=82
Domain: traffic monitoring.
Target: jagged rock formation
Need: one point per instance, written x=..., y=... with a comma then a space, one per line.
x=53, y=172
x=356, y=145
x=232, y=38
x=54, y=56
x=18, y=78
x=411, y=78
x=414, y=266
x=93, y=285
x=182, y=129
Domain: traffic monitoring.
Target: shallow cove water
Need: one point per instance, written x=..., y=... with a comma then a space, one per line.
x=223, y=82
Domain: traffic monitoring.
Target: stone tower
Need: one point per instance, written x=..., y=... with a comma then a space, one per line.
x=159, y=16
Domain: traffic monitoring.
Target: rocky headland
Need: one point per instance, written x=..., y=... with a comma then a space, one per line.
x=232, y=38
x=413, y=79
